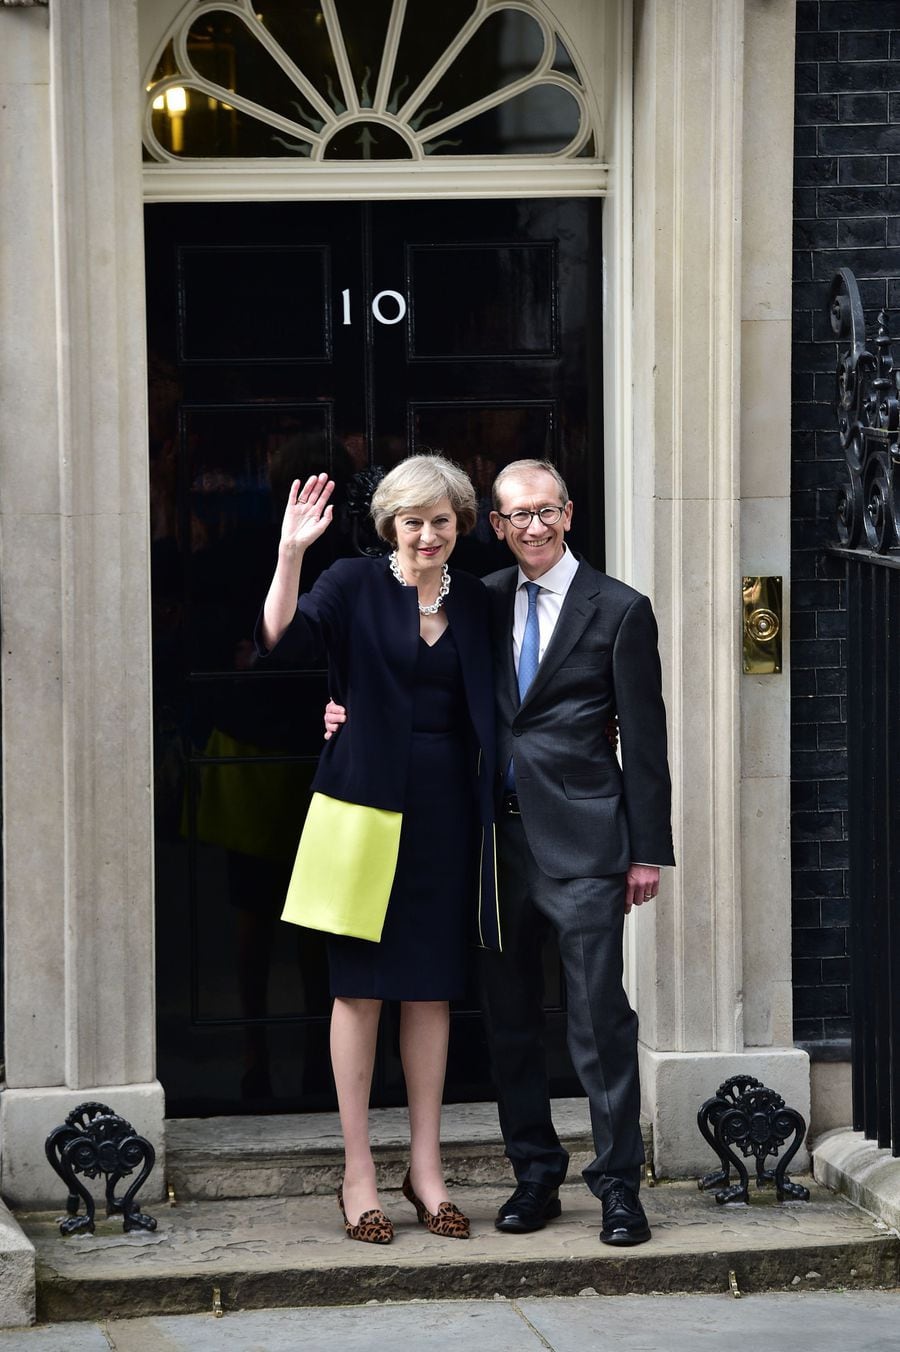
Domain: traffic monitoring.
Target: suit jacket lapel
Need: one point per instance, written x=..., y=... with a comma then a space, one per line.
x=504, y=663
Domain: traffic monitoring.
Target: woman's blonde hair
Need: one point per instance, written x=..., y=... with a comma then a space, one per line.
x=421, y=481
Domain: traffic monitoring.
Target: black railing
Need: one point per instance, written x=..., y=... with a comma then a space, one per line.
x=868, y=410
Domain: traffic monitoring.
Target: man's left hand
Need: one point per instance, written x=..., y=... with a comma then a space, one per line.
x=641, y=884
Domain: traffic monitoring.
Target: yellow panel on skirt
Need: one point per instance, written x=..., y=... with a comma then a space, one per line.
x=344, y=870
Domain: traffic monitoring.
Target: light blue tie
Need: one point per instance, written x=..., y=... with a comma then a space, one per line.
x=528, y=662
x=531, y=642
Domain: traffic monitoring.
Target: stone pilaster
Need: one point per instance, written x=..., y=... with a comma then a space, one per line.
x=765, y=432
x=78, y=855
x=706, y=967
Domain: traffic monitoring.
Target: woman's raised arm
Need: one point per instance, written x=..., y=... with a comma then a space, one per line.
x=306, y=517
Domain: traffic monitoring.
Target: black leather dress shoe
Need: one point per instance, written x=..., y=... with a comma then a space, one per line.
x=624, y=1221
x=531, y=1206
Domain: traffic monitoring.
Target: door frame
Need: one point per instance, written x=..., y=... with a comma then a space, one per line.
x=498, y=177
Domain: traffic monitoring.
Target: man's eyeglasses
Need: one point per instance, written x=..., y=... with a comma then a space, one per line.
x=522, y=518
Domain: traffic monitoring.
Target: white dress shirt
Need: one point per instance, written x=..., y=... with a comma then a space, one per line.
x=553, y=584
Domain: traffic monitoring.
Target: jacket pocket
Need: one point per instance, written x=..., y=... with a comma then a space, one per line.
x=589, y=786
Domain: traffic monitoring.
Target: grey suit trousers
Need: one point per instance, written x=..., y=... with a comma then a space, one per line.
x=587, y=915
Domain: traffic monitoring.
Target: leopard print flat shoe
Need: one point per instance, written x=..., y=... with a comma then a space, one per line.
x=449, y=1221
x=373, y=1227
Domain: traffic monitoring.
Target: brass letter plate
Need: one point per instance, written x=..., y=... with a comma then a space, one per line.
x=761, y=601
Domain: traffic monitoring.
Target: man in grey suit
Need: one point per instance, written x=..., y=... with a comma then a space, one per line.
x=580, y=841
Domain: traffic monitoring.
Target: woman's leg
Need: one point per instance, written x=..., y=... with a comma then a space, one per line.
x=354, y=1030
x=424, y=1034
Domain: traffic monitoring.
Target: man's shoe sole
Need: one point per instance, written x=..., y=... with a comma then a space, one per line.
x=621, y=1239
x=512, y=1225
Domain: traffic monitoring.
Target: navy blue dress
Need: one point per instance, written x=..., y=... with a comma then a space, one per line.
x=422, y=953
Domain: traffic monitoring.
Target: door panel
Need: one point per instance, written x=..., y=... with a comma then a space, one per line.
x=477, y=302
x=285, y=339
x=265, y=304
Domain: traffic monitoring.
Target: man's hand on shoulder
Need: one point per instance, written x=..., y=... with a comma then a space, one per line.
x=335, y=717
x=641, y=884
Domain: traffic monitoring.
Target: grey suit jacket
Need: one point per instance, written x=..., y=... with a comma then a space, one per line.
x=583, y=815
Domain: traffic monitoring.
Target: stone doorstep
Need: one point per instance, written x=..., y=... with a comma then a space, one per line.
x=847, y=1162
x=294, y=1155
x=291, y=1251
x=17, y=1273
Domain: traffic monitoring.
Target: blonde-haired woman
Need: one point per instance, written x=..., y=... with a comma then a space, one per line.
x=401, y=825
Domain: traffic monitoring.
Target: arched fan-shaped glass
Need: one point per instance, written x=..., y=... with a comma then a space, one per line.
x=365, y=80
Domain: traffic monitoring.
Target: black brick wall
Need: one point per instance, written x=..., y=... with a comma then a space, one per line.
x=846, y=214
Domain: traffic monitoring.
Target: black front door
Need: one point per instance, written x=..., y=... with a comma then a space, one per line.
x=285, y=339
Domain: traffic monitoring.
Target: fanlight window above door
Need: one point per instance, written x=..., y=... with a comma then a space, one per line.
x=326, y=80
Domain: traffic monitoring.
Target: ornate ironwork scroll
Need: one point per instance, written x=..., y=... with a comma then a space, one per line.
x=868, y=415
x=94, y=1140
x=359, y=500
x=745, y=1116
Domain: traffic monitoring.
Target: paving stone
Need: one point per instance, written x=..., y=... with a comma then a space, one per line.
x=827, y=1322
x=58, y=1338
x=421, y=1327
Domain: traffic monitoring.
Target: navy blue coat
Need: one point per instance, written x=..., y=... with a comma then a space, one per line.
x=359, y=619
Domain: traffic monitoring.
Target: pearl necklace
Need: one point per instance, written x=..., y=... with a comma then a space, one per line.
x=445, y=585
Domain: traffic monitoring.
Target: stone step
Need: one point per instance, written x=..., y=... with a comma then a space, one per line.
x=291, y=1251
x=302, y=1155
